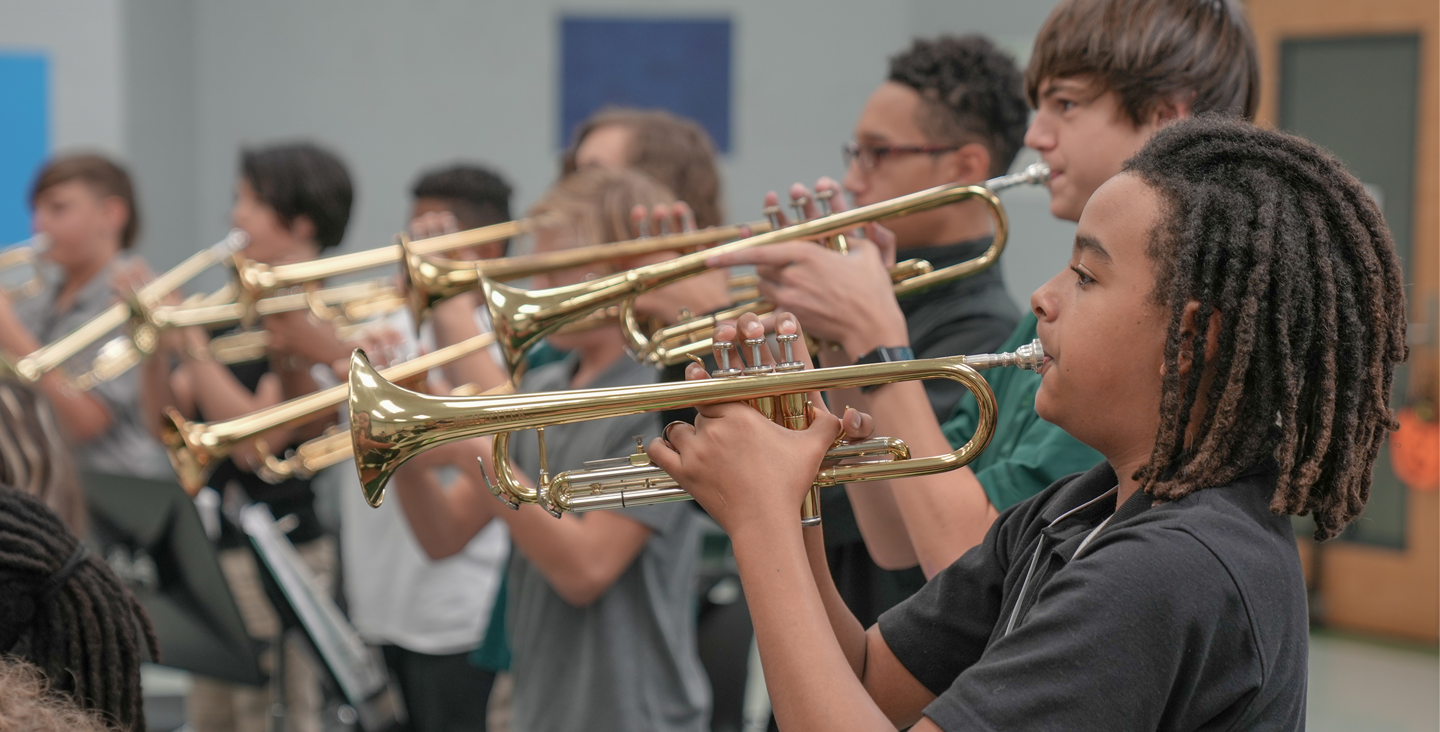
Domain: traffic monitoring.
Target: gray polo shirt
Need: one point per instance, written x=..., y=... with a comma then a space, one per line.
x=627, y=662
x=126, y=448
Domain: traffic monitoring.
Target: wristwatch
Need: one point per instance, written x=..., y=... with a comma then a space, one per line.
x=884, y=354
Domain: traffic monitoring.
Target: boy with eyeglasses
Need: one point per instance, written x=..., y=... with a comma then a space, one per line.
x=952, y=111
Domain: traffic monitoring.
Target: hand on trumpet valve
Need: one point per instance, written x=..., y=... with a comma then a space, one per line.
x=847, y=299
x=747, y=470
x=662, y=219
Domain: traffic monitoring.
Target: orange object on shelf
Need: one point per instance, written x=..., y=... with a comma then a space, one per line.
x=1415, y=450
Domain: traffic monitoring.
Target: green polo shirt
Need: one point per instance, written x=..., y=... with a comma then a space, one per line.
x=1027, y=453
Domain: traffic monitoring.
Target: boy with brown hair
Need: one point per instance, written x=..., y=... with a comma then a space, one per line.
x=1105, y=75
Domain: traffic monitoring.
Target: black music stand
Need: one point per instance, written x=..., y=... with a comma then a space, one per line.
x=150, y=534
x=354, y=669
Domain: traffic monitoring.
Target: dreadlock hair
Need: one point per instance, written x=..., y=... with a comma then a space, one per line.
x=64, y=610
x=1274, y=234
x=970, y=91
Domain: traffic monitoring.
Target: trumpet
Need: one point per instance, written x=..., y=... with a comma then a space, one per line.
x=334, y=447
x=258, y=281
x=433, y=280
x=676, y=343
x=42, y=360
x=390, y=424
x=522, y=317
x=21, y=254
x=195, y=449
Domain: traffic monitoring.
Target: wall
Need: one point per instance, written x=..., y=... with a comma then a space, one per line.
x=395, y=88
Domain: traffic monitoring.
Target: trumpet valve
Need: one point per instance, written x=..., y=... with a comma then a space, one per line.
x=772, y=214
x=787, y=349
x=798, y=203
x=722, y=357
x=822, y=198
x=756, y=367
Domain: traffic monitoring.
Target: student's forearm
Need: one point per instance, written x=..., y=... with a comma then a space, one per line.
x=947, y=513
x=443, y=521
x=156, y=392
x=217, y=392
x=812, y=681
x=848, y=631
x=881, y=524
x=82, y=417
x=455, y=323
x=581, y=557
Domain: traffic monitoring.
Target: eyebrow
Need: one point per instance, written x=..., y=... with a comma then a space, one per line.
x=1060, y=87
x=1090, y=243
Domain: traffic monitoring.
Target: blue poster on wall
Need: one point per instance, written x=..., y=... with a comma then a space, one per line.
x=24, y=137
x=681, y=65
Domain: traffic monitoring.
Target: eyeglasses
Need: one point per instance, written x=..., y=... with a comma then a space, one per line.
x=870, y=156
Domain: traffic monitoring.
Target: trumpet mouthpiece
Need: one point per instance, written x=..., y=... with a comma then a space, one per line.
x=1029, y=357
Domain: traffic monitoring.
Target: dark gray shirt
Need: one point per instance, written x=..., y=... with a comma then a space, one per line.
x=127, y=448
x=627, y=662
x=1074, y=615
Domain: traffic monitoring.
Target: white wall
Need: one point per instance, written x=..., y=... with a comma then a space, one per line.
x=82, y=40
x=177, y=87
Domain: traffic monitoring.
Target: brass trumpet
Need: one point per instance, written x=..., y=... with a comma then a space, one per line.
x=258, y=281
x=25, y=254
x=389, y=425
x=42, y=360
x=522, y=317
x=676, y=343
x=433, y=280
x=195, y=449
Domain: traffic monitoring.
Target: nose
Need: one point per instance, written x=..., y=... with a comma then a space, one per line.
x=1043, y=301
x=854, y=181
x=1039, y=136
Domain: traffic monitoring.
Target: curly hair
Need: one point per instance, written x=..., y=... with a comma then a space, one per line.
x=1275, y=235
x=64, y=610
x=29, y=704
x=972, y=91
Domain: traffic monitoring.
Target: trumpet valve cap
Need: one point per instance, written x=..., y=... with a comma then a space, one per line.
x=787, y=347
x=823, y=199
x=722, y=356
x=772, y=214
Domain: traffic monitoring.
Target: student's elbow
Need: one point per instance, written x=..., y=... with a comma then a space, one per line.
x=582, y=586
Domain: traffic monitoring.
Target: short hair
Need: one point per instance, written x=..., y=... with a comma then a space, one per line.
x=597, y=202
x=971, y=91
x=1276, y=236
x=302, y=179
x=476, y=196
x=104, y=176
x=63, y=609
x=1148, y=50
x=673, y=150
x=34, y=456
x=30, y=704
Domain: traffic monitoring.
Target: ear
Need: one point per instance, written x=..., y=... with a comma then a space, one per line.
x=303, y=228
x=116, y=213
x=969, y=164
x=1173, y=108
x=1188, y=329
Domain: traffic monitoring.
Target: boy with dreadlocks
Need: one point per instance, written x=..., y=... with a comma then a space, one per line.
x=1226, y=335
